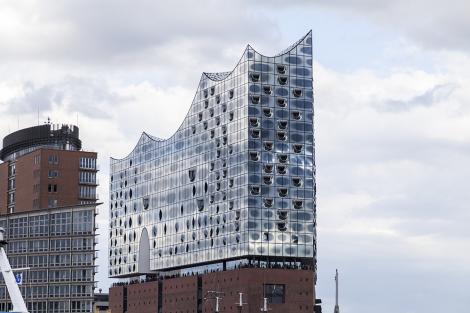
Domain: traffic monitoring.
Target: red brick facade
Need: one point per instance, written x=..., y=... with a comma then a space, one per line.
x=187, y=294
x=117, y=299
x=142, y=298
x=32, y=180
x=180, y=294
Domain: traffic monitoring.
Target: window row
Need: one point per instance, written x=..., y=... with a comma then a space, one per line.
x=88, y=163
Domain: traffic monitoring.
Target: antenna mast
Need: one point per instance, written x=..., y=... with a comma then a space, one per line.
x=215, y=295
x=337, y=282
x=240, y=302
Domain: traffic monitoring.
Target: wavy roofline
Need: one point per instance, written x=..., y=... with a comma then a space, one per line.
x=211, y=76
x=287, y=50
x=143, y=134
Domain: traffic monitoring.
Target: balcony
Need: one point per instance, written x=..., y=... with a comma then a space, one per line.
x=89, y=197
x=89, y=183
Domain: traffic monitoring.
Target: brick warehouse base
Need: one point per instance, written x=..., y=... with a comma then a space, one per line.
x=289, y=291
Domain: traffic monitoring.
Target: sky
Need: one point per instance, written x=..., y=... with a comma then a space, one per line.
x=392, y=117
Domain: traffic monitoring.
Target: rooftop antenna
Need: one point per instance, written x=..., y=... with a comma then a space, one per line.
x=240, y=302
x=265, y=305
x=217, y=295
x=265, y=299
x=337, y=282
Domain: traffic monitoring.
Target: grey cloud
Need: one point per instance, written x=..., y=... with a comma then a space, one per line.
x=438, y=24
x=429, y=98
x=32, y=100
x=412, y=228
x=165, y=42
x=411, y=176
x=379, y=275
x=115, y=32
x=87, y=96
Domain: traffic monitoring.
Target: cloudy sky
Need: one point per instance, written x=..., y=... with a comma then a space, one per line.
x=392, y=101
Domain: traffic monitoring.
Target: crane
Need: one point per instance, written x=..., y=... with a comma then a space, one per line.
x=17, y=300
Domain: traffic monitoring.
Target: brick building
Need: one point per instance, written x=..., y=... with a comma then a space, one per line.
x=288, y=290
x=48, y=207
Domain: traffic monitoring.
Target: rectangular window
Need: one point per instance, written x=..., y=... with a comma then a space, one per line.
x=53, y=173
x=18, y=247
x=38, y=260
x=11, y=198
x=61, y=224
x=59, y=275
x=38, y=225
x=11, y=184
x=52, y=203
x=18, y=261
x=39, y=245
x=38, y=276
x=82, y=275
x=39, y=291
x=87, y=177
x=3, y=293
x=275, y=293
x=81, y=306
x=53, y=159
x=88, y=192
x=18, y=227
x=38, y=307
x=79, y=244
x=59, y=291
x=82, y=259
x=88, y=163
x=52, y=187
x=60, y=244
x=37, y=159
x=12, y=169
x=61, y=260
x=83, y=222
x=80, y=290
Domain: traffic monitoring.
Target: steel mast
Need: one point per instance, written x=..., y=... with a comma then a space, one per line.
x=337, y=282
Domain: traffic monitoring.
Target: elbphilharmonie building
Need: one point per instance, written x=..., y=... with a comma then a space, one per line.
x=236, y=182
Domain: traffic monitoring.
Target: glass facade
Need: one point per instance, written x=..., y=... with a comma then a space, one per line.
x=58, y=246
x=236, y=180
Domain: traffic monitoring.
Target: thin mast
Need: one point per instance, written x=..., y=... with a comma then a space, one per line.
x=337, y=282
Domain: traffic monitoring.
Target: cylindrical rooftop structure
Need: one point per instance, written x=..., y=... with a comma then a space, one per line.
x=55, y=136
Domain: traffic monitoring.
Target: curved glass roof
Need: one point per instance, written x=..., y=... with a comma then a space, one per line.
x=220, y=76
